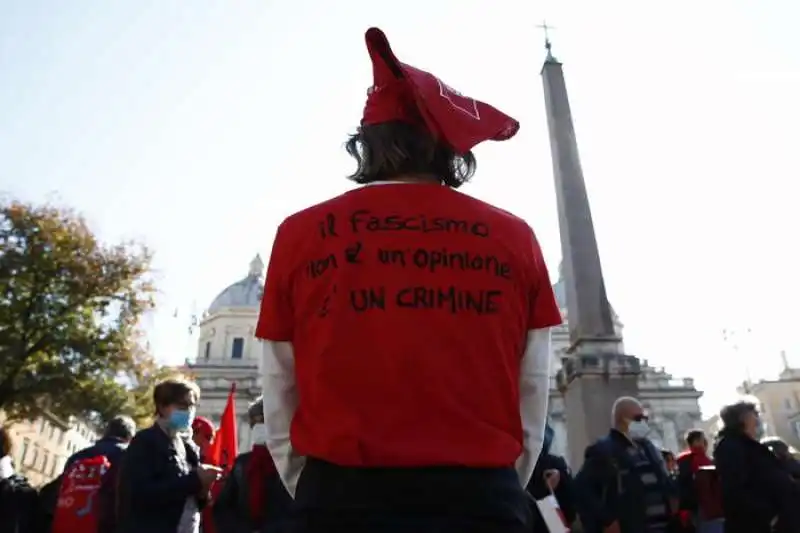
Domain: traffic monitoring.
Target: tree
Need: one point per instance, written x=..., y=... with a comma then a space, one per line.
x=140, y=403
x=69, y=313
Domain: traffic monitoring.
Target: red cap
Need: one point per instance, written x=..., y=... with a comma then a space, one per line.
x=203, y=426
x=403, y=93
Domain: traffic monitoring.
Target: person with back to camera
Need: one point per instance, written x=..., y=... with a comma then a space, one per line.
x=83, y=499
x=407, y=329
x=758, y=495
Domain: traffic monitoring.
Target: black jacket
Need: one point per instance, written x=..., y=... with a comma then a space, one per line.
x=232, y=506
x=108, y=446
x=564, y=492
x=48, y=495
x=48, y=498
x=18, y=505
x=791, y=465
x=756, y=488
x=608, y=489
x=155, y=483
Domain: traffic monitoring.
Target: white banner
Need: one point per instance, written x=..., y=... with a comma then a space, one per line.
x=552, y=515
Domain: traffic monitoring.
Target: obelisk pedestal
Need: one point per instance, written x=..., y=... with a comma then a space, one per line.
x=595, y=371
x=590, y=384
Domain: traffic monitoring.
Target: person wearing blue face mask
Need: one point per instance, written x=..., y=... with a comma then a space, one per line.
x=163, y=484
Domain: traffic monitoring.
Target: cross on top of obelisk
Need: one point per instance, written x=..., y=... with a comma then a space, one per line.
x=547, y=44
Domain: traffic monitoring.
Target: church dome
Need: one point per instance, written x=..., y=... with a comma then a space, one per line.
x=245, y=293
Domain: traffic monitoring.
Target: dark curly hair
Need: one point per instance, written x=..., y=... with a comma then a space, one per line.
x=386, y=151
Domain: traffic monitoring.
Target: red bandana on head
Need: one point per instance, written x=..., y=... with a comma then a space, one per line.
x=406, y=94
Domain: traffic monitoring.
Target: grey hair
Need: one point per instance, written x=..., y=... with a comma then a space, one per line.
x=120, y=427
x=619, y=402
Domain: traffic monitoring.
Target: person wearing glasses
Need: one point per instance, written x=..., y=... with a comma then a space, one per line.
x=163, y=483
x=758, y=493
x=623, y=485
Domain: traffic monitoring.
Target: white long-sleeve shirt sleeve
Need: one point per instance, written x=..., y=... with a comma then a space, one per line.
x=280, y=405
x=534, y=388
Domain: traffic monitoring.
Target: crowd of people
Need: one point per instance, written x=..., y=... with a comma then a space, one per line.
x=158, y=480
x=406, y=371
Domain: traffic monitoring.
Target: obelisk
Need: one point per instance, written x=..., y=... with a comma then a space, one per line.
x=595, y=371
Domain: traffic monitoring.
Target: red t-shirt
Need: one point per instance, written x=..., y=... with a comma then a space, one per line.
x=408, y=307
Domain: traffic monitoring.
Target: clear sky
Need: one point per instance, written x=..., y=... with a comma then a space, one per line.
x=198, y=126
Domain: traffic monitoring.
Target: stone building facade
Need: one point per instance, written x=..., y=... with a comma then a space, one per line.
x=778, y=402
x=42, y=445
x=672, y=404
x=228, y=352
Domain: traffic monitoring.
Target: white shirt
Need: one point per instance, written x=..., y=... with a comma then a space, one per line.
x=6, y=467
x=190, y=517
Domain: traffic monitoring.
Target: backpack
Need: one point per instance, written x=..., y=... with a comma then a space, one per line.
x=77, y=509
x=18, y=505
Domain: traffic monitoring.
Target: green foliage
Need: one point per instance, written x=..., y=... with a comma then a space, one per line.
x=140, y=397
x=69, y=313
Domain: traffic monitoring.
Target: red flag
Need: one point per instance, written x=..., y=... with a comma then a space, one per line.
x=225, y=446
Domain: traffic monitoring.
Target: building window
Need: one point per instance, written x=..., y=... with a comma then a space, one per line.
x=208, y=350
x=42, y=426
x=25, y=445
x=52, y=432
x=238, y=348
x=45, y=460
x=60, y=437
x=35, y=456
x=53, y=466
